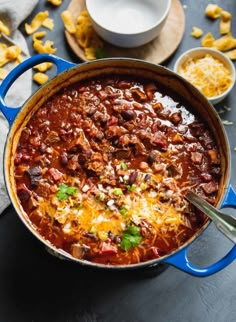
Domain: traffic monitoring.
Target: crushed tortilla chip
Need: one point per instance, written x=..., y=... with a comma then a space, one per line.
x=231, y=54
x=40, y=78
x=86, y=36
x=9, y=54
x=48, y=23
x=36, y=23
x=55, y=2
x=4, y=28
x=38, y=35
x=196, y=32
x=13, y=52
x=225, y=22
x=41, y=47
x=213, y=11
x=44, y=48
x=3, y=73
x=43, y=67
x=225, y=43
x=208, y=40
x=68, y=21
x=84, y=33
x=90, y=53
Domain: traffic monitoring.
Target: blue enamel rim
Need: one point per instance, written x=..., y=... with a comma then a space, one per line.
x=180, y=257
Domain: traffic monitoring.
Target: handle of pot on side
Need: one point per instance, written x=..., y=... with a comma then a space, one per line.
x=11, y=112
x=180, y=259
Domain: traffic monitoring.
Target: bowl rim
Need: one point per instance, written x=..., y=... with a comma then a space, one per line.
x=159, y=22
x=215, y=53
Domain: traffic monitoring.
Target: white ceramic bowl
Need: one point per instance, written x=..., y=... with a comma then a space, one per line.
x=200, y=52
x=128, y=23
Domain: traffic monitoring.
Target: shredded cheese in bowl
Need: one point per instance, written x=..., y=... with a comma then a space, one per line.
x=208, y=70
x=208, y=74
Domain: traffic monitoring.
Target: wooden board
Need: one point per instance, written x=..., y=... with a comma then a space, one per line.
x=157, y=51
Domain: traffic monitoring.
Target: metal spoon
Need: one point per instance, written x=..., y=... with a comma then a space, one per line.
x=224, y=222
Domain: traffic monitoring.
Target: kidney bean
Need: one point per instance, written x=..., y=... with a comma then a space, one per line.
x=132, y=177
x=127, y=114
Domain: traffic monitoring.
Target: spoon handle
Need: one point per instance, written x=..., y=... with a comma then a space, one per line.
x=224, y=222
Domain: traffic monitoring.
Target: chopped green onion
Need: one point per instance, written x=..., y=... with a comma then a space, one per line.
x=123, y=166
x=79, y=206
x=118, y=192
x=131, y=187
x=123, y=211
x=92, y=230
x=100, y=197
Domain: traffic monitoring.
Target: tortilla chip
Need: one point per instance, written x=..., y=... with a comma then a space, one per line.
x=40, y=78
x=36, y=23
x=48, y=23
x=43, y=48
x=90, y=53
x=43, y=67
x=196, y=32
x=208, y=40
x=231, y=54
x=4, y=29
x=225, y=22
x=68, y=21
x=55, y=2
x=13, y=52
x=213, y=11
x=225, y=43
x=38, y=35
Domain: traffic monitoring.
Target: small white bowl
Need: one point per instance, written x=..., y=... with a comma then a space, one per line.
x=200, y=52
x=128, y=23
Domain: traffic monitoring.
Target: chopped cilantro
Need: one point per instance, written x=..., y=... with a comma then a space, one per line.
x=100, y=53
x=131, y=187
x=64, y=192
x=123, y=166
x=130, y=238
x=123, y=211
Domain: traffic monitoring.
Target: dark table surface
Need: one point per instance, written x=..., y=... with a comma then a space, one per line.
x=35, y=286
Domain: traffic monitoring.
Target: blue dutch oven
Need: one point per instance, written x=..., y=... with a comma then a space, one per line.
x=68, y=73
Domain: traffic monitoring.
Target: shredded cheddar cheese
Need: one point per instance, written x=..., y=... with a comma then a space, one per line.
x=208, y=74
x=139, y=205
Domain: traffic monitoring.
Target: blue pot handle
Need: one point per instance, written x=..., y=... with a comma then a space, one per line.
x=11, y=112
x=180, y=259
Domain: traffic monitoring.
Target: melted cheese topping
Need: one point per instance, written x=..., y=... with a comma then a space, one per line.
x=208, y=74
x=102, y=216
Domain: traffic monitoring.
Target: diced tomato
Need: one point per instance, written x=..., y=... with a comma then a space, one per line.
x=107, y=249
x=55, y=174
